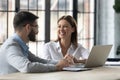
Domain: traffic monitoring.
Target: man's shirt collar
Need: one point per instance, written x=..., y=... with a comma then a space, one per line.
x=22, y=44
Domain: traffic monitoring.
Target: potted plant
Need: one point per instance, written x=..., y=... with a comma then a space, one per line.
x=117, y=6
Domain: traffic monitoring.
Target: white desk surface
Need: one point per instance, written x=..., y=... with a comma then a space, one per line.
x=99, y=73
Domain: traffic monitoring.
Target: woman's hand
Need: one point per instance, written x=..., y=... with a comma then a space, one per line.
x=69, y=58
x=61, y=64
x=79, y=61
x=72, y=60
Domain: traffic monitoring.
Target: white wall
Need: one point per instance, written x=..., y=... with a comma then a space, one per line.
x=105, y=23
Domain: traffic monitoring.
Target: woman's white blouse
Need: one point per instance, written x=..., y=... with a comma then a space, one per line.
x=52, y=50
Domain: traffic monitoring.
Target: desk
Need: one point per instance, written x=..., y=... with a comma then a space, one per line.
x=99, y=73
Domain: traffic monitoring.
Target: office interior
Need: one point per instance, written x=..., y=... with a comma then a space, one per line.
x=98, y=23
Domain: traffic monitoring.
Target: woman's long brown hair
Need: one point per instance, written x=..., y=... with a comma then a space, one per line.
x=73, y=23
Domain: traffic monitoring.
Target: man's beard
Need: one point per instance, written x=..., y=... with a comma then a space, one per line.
x=32, y=36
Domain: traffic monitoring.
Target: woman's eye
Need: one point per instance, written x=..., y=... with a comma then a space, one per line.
x=58, y=26
x=65, y=26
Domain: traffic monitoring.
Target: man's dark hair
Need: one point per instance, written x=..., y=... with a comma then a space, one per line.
x=22, y=18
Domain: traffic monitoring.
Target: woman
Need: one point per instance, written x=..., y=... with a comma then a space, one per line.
x=66, y=42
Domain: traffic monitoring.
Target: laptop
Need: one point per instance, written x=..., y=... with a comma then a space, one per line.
x=97, y=58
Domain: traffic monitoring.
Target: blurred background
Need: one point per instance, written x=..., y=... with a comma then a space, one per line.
x=96, y=21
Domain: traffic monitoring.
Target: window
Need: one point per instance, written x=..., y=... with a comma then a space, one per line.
x=7, y=11
x=85, y=13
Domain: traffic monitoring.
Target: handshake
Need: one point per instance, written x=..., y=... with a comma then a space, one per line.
x=67, y=61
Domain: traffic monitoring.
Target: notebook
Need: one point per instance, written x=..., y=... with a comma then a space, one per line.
x=97, y=57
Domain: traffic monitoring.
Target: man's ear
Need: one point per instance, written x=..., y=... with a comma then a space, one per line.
x=28, y=28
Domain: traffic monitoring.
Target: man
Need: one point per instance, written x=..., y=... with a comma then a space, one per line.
x=14, y=53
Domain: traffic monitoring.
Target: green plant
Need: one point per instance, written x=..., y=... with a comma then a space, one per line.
x=117, y=6
x=118, y=50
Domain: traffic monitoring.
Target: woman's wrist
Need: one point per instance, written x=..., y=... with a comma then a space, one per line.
x=80, y=61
